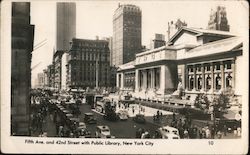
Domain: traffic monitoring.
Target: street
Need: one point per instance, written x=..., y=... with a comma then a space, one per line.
x=119, y=129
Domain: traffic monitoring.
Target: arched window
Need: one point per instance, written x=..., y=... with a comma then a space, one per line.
x=228, y=81
x=199, y=83
x=208, y=83
x=191, y=81
x=218, y=82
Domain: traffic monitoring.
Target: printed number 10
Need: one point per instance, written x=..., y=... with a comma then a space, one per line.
x=210, y=142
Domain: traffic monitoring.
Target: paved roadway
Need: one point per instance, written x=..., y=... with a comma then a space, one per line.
x=119, y=129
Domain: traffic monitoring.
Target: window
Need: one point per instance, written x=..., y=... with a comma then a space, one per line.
x=228, y=81
x=228, y=65
x=218, y=82
x=199, y=83
x=191, y=81
x=198, y=68
x=217, y=66
x=208, y=67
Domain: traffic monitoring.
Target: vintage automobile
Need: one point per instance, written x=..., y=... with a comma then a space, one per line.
x=139, y=118
x=168, y=132
x=102, y=132
x=84, y=133
x=123, y=114
x=89, y=118
x=81, y=125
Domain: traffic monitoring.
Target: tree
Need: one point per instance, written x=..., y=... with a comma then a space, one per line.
x=202, y=102
x=222, y=102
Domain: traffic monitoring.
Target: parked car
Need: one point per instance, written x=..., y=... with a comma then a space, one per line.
x=82, y=125
x=168, y=132
x=84, y=133
x=123, y=114
x=89, y=118
x=139, y=118
x=102, y=132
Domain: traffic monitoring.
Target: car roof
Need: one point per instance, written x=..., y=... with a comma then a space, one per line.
x=89, y=113
x=169, y=128
x=102, y=127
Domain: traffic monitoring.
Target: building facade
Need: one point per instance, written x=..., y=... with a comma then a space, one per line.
x=201, y=61
x=57, y=63
x=158, y=41
x=88, y=64
x=218, y=19
x=126, y=34
x=65, y=31
x=40, y=82
x=46, y=78
x=22, y=37
x=51, y=74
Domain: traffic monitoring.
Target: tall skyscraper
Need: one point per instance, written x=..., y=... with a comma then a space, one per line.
x=65, y=25
x=158, y=41
x=22, y=38
x=65, y=32
x=126, y=34
x=218, y=19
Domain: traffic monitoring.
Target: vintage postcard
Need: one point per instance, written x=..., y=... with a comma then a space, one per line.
x=124, y=77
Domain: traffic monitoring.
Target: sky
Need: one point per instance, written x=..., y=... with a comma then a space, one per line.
x=94, y=18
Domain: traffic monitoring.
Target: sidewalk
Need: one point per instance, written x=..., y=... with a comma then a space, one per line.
x=148, y=111
x=48, y=127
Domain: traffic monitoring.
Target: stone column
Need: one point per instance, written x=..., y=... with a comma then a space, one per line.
x=195, y=79
x=152, y=78
x=144, y=79
x=117, y=80
x=212, y=77
x=122, y=80
x=162, y=79
x=205, y=82
x=137, y=76
x=222, y=76
x=233, y=73
x=203, y=77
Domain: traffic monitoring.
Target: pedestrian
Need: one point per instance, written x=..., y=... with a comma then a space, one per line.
x=212, y=132
x=186, y=134
x=60, y=131
x=181, y=132
x=207, y=133
x=238, y=131
x=235, y=131
x=225, y=130
x=133, y=110
x=219, y=135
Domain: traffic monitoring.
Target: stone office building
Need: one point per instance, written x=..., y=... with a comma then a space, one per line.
x=203, y=61
x=88, y=64
x=22, y=37
x=57, y=63
x=126, y=34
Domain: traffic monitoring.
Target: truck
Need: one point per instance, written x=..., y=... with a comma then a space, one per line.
x=127, y=100
x=90, y=99
x=108, y=109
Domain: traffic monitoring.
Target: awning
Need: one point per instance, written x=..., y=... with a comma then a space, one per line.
x=232, y=115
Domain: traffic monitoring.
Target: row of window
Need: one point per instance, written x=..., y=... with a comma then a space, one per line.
x=86, y=44
x=197, y=83
x=207, y=66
